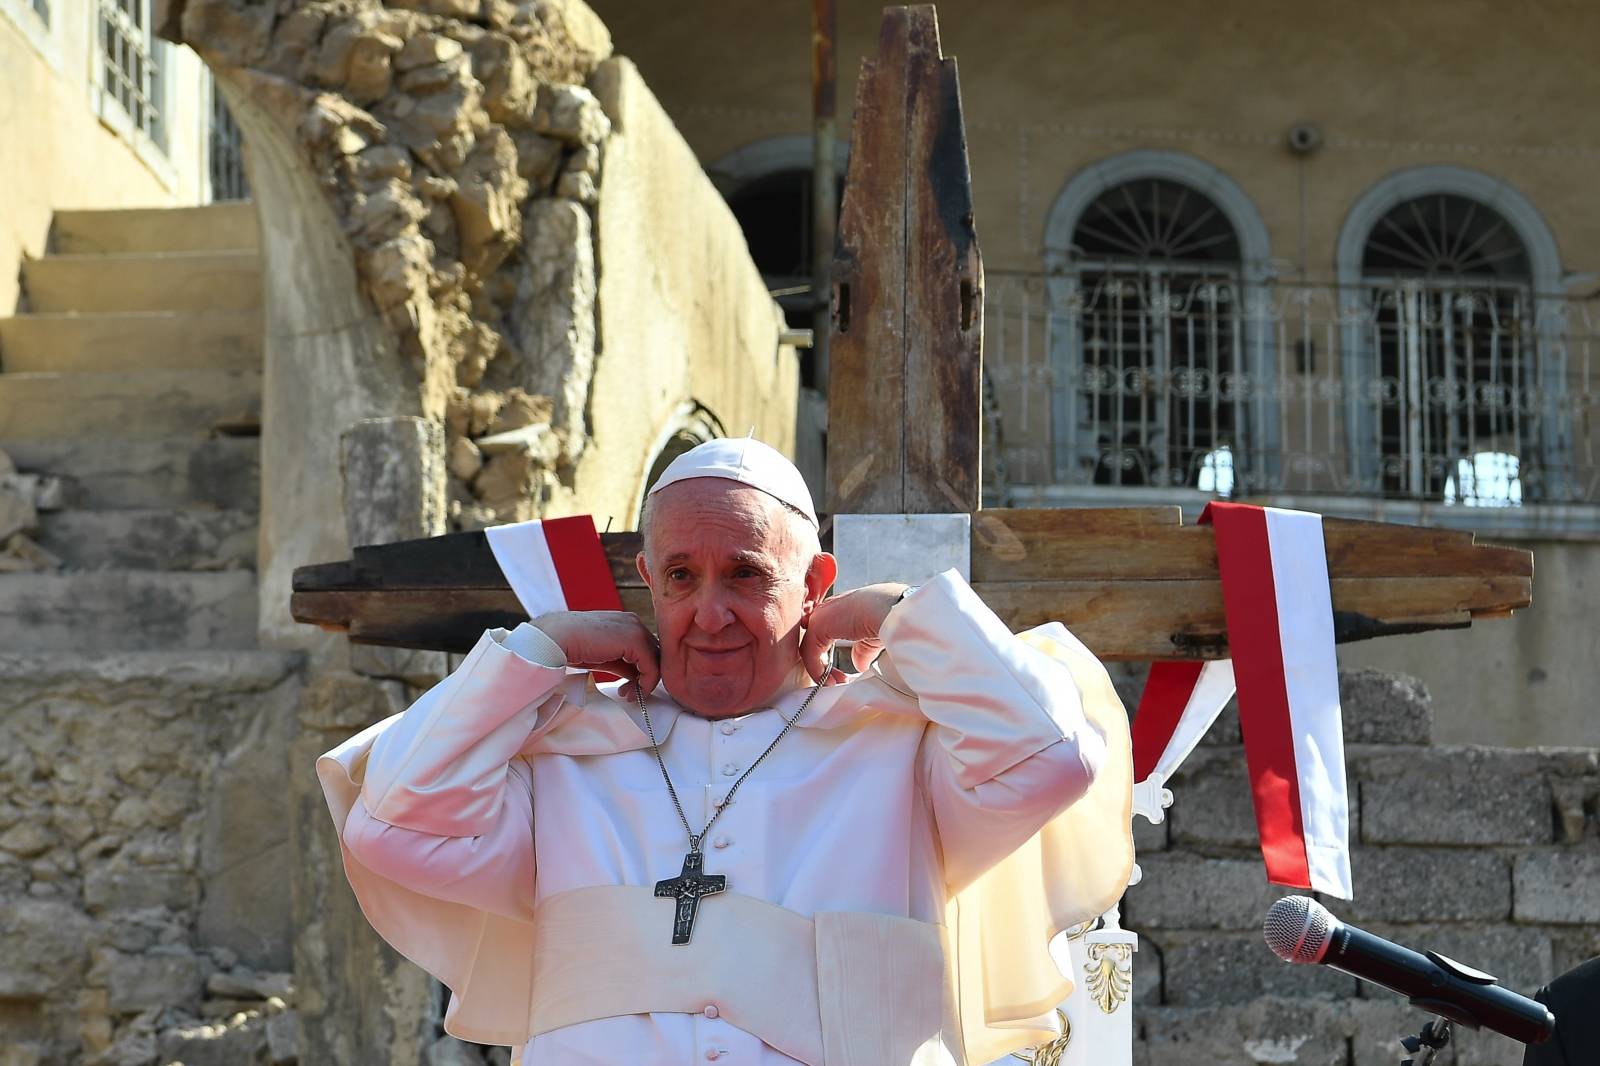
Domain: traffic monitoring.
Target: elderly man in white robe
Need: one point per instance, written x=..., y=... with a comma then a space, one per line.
x=740, y=853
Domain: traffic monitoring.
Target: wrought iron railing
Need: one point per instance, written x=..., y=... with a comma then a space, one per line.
x=225, y=153
x=128, y=70
x=1458, y=391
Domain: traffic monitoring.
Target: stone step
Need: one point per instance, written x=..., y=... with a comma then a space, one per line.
x=139, y=403
x=130, y=340
x=148, y=539
x=127, y=610
x=168, y=281
x=214, y=227
x=109, y=472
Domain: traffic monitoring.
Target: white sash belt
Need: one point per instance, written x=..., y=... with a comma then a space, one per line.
x=838, y=989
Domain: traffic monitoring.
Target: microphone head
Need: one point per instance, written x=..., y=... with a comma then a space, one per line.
x=1298, y=929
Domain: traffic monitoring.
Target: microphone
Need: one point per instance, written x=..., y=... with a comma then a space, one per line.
x=1299, y=929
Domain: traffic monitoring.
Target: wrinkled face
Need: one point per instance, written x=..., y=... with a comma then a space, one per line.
x=731, y=573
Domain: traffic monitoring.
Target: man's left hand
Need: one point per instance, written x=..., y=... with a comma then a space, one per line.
x=856, y=616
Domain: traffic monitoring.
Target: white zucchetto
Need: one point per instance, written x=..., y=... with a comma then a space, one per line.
x=747, y=461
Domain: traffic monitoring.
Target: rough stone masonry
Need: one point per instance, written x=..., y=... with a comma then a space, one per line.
x=461, y=144
x=1490, y=856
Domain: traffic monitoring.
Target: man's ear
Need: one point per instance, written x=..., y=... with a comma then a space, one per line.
x=820, y=576
x=644, y=570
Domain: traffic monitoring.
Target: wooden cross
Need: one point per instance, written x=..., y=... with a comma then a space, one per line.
x=905, y=438
x=688, y=888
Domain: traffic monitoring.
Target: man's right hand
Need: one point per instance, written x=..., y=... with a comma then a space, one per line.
x=615, y=642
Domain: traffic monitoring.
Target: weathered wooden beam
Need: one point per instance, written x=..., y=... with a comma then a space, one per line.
x=1132, y=583
x=905, y=347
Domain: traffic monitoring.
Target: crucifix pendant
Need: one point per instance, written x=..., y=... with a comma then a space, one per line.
x=687, y=888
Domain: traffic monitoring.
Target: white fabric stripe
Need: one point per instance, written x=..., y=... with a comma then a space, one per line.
x=1212, y=691
x=1311, y=678
x=524, y=557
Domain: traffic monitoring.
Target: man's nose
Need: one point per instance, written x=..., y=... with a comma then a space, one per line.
x=711, y=612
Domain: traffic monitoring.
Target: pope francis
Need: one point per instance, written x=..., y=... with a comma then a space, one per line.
x=739, y=853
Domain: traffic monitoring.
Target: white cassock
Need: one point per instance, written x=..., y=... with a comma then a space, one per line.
x=895, y=867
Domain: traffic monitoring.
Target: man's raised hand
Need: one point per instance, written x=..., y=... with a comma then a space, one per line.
x=615, y=642
x=856, y=616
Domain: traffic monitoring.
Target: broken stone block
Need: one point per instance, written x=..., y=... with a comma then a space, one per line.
x=426, y=49
x=486, y=205
x=370, y=72
x=521, y=408
x=510, y=93
x=158, y=979
x=572, y=114
x=538, y=158
x=576, y=185
x=465, y=459
x=585, y=159
x=243, y=983
x=393, y=472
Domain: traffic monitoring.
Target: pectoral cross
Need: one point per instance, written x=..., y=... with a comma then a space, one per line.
x=687, y=888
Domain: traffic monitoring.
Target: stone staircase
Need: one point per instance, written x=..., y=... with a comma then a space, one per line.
x=143, y=733
x=134, y=376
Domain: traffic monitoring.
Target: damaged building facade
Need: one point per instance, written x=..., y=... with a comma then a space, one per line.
x=484, y=277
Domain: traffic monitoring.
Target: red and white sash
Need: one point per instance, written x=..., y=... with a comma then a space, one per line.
x=1279, y=610
x=555, y=564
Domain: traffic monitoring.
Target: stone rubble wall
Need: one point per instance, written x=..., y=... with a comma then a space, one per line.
x=1489, y=856
x=461, y=152
x=139, y=836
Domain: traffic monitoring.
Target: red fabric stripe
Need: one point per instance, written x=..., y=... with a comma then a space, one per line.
x=1250, y=602
x=1166, y=694
x=581, y=564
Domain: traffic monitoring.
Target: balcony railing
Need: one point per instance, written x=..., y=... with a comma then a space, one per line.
x=1461, y=391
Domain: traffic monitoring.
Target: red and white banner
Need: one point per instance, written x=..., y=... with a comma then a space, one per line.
x=1279, y=611
x=556, y=564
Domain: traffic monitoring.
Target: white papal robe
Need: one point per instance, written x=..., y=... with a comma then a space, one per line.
x=515, y=785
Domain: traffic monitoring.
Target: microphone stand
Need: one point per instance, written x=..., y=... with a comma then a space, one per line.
x=1434, y=1036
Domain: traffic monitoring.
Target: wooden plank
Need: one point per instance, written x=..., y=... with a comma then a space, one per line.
x=866, y=343
x=1148, y=544
x=427, y=619
x=1122, y=620
x=1146, y=620
x=942, y=424
x=451, y=561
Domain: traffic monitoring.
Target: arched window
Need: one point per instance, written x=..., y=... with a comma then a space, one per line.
x=1454, y=364
x=768, y=187
x=1159, y=284
x=1453, y=324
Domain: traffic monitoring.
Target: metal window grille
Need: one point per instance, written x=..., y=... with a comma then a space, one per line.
x=1454, y=391
x=226, y=153
x=129, y=72
x=1150, y=357
x=1155, y=275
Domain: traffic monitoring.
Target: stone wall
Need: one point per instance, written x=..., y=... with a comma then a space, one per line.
x=140, y=836
x=1490, y=856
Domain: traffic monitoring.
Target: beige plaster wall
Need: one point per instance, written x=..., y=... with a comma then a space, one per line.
x=1050, y=87
x=684, y=316
x=1523, y=681
x=56, y=153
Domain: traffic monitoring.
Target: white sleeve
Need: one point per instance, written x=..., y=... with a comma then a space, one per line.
x=443, y=804
x=1008, y=746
